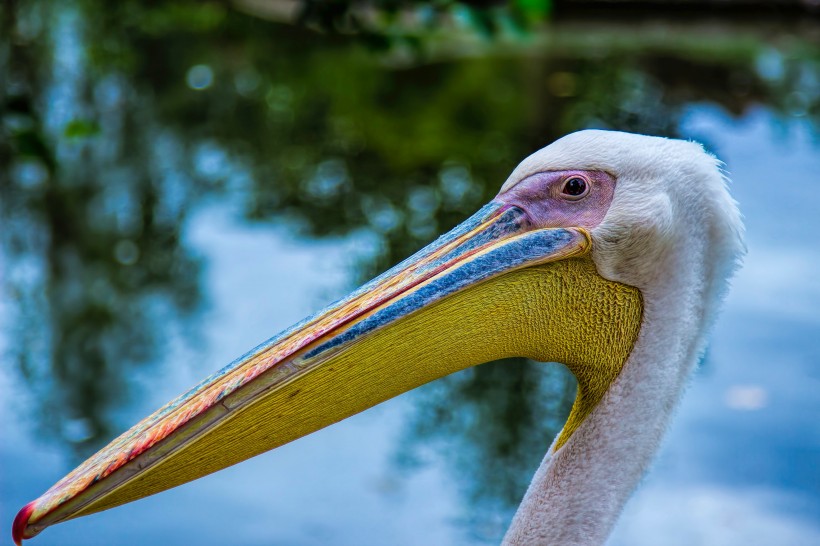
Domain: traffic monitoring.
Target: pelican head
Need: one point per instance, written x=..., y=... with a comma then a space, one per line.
x=608, y=252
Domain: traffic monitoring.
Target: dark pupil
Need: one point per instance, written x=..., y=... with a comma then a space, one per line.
x=575, y=186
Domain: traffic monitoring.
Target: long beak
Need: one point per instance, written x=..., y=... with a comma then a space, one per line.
x=493, y=287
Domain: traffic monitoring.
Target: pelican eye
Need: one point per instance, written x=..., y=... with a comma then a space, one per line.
x=575, y=187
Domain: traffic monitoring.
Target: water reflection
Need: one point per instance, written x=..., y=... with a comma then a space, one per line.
x=92, y=220
x=120, y=119
x=495, y=423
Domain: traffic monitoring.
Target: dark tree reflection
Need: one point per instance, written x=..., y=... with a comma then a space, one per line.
x=118, y=117
x=91, y=238
x=494, y=423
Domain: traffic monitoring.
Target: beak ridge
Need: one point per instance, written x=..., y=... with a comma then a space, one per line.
x=497, y=240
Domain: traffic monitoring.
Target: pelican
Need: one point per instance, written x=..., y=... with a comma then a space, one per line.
x=608, y=252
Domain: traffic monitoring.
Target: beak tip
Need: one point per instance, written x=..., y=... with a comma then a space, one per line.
x=18, y=528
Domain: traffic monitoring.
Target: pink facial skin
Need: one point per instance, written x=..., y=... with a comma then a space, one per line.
x=548, y=201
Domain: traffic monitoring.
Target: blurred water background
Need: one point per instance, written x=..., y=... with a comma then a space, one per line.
x=181, y=180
